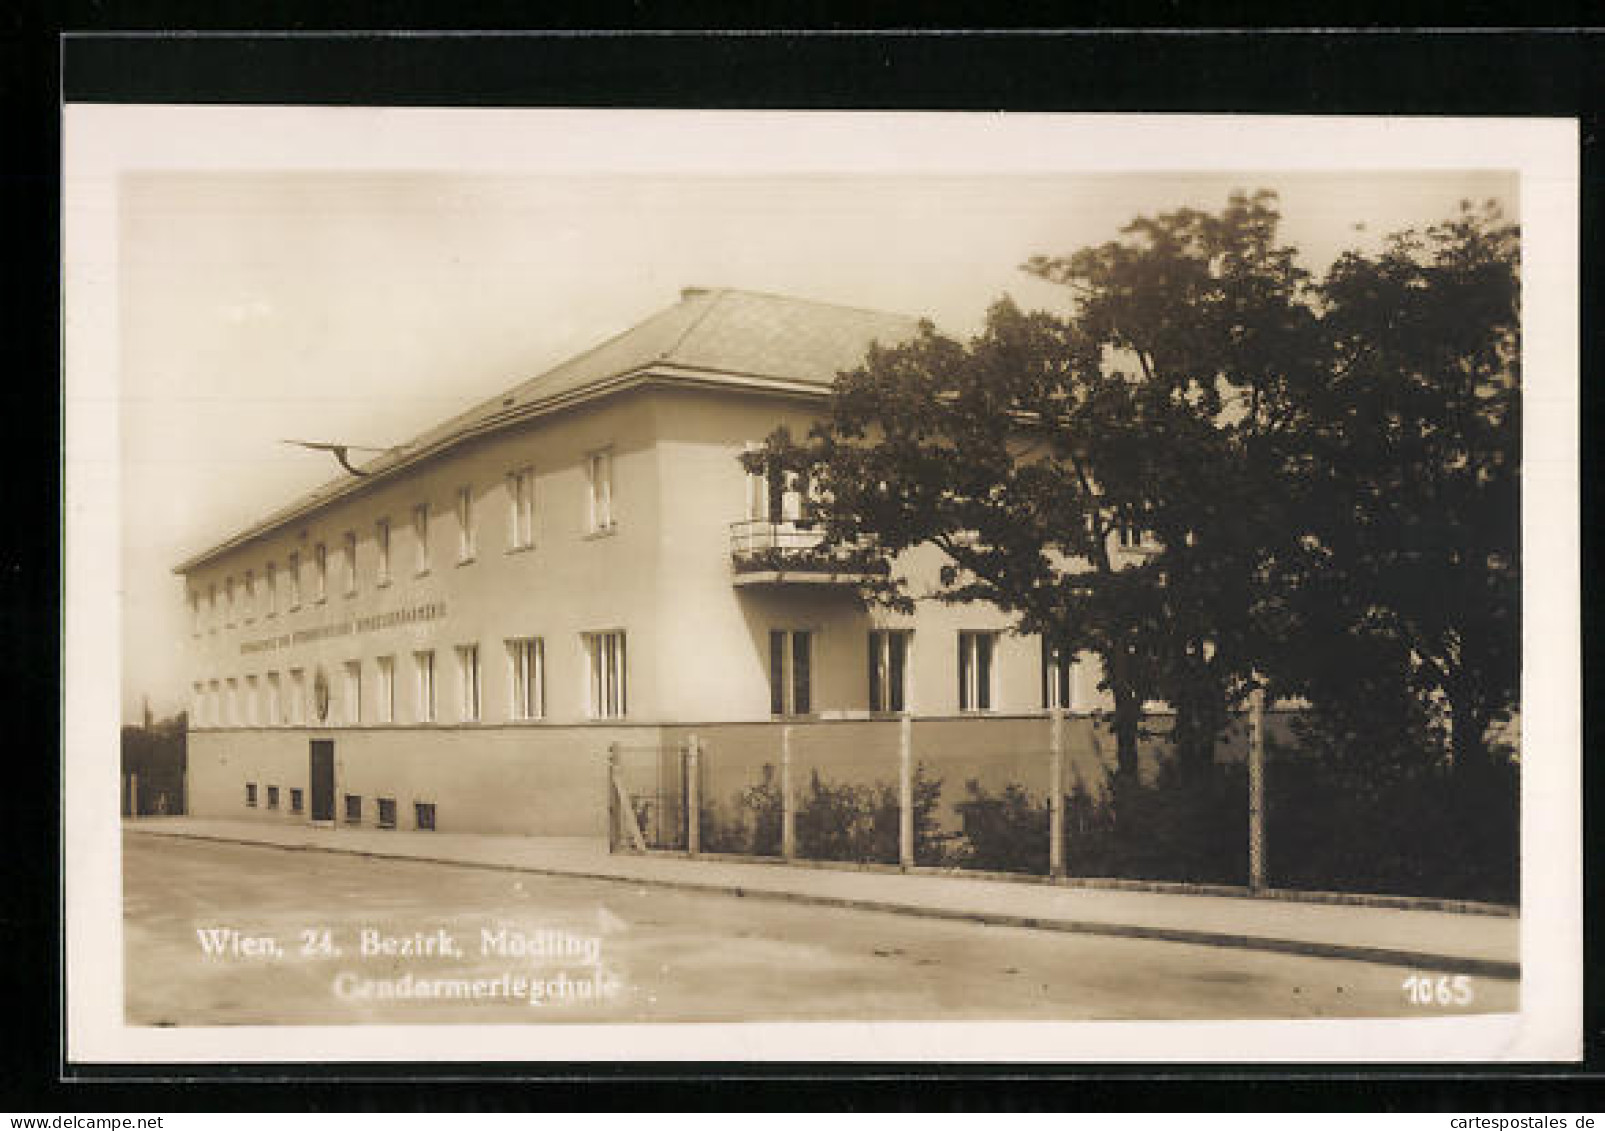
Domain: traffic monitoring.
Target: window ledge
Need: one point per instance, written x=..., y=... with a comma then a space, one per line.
x=602, y=532
x=470, y=560
x=382, y=583
x=521, y=549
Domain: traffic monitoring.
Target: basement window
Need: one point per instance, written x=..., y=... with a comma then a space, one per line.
x=387, y=812
x=250, y=794
x=424, y=815
x=353, y=809
x=273, y=797
x=295, y=800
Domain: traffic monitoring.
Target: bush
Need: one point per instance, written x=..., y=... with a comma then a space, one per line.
x=750, y=824
x=834, y=821
x=1006, y=832
x=1430, y=832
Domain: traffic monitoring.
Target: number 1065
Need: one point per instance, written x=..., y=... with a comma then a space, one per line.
x=1423, y=989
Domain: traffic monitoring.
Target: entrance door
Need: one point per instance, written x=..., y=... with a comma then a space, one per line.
x=322, y=779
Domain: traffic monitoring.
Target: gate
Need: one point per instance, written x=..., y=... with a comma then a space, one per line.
x=321, y=775
x=650, y=795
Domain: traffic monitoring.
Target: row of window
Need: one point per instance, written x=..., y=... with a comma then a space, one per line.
x=264, y=702
x=254, y=596
x=791, y=668
x=423, y=812
x=271, y=701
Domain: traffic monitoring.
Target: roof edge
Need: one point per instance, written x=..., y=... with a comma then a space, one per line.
x=343, y=490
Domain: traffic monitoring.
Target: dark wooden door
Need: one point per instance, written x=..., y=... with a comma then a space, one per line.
x=322, y=779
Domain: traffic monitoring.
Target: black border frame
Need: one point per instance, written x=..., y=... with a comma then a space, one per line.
x=90, y=56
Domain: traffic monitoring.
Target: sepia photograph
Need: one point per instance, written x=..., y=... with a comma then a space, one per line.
x=673, y=586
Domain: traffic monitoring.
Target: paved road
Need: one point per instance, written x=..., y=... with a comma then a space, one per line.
x=537, y=949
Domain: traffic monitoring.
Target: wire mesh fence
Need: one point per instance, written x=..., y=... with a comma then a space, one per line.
x=1032, y=795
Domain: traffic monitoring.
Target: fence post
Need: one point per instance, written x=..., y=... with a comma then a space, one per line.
x=905, y=791
x=612, y=796
x=1056, y=794
x=693, y=796
x=788, y=802
x=1256, y=790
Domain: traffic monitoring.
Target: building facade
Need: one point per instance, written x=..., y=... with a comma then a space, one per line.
x=453, y=639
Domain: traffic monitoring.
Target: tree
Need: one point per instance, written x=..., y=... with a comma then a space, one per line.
x=990, y=452
x=1027, y=454
x=1328, y=471
x=1414, y=469
x=1215, y=315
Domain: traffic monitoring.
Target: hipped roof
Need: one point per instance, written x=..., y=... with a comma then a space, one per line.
x=717, y=336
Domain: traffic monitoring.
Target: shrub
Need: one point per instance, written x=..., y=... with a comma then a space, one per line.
x=1006, y=832
x=752, y=824
x=1430, y=832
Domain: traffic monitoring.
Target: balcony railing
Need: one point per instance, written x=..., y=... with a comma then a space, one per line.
x=764, y=552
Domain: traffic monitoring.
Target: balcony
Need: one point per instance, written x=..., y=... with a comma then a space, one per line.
x=784, y=553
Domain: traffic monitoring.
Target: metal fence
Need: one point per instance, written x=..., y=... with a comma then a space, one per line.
x=1037, y=795
x=1024, y=794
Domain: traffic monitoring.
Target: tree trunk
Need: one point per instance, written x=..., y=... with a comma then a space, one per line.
x=1468, y=730
x=1127, y=721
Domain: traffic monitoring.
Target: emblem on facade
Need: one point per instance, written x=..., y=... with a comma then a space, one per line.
x=320, y=694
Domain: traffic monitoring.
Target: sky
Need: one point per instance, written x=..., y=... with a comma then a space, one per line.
x=365, y=306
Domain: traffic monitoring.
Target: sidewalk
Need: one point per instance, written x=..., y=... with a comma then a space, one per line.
x=1440, y=941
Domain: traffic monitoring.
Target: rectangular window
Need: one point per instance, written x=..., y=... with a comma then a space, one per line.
x=295, y=799
x=348, y=561
x=292, y=577
x=270, y=584
x=253, y=701
x=298, y=697
x=468, y=682
x=250, y=794
x=888, y=669
x=387, y=689
x=320, y=572
x=231, y=711
x=197, y=703
x=465, y=524
x=353, y=695
x=214, y=710
x=387, y=812
x=250, y=596
x=228, y=601
x=1056, y=668
x=420, y=538
x=599, y=477
x=605, y=653
x=353, y=809
x=521, y=509
x=275, y=704
x=381, y=543
x=273, y=797
x=194, y=612
x=423, y=815
x=527, y=668
x=976, y=650
x=424, y=665
x=790, y=672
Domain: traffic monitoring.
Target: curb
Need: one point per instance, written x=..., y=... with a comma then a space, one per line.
x=1447, y=963
x=1110, y=883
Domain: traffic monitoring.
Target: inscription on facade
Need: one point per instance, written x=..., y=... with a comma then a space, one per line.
x=352, y=627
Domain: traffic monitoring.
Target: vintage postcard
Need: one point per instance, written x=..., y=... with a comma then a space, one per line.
x=644, y=585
